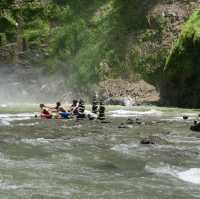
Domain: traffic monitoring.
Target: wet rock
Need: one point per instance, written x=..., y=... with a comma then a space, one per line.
x=90, y=117
x=107, y=166
x=138, y=121
x=130, y=121
x=185, y=117
x=123, y=126
x=146, y=141
x=106, y=122
x=115, y=101
x=153, y=140
x=195, y=127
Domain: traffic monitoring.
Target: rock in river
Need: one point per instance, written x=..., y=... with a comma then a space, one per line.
x=153, y=140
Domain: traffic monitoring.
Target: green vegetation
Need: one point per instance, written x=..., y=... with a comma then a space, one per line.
x=87, y=40
x=92, y=40
x=181, y=75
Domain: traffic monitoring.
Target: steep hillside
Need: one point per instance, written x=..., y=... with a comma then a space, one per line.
x=91, y=41
x=182, y=72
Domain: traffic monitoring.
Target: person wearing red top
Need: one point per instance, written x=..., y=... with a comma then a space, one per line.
x=44, y=112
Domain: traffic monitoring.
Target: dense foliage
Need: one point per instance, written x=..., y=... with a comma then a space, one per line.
x=181, y=75
x=88, y=40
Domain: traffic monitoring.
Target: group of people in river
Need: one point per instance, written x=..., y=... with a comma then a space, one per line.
x=77, y=109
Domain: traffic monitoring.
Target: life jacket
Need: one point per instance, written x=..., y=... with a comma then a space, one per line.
x=74, y=109
x=45, y=114
x=60, y=109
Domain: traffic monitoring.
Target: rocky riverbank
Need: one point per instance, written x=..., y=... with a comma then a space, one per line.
x=122, y=92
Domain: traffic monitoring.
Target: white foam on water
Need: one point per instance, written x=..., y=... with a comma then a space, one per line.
x=35, y=142
x=197, y=141
x=124, y=148
x=87, y=112
x=28, y=124
x=8, y=115
x=6, y=185
x=126, y=113
x=177, y=119
x=72, y=127
x=4, y=122
x=11, y=119
x=162, y=170
x=190, y=114
x=66, y=157
x=191, y=175
x=5, y=119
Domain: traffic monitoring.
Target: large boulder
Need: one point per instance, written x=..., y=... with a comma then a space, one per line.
x=122, y=92
x=195, y=127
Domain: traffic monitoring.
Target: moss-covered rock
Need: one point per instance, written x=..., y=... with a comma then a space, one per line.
x=181, y=77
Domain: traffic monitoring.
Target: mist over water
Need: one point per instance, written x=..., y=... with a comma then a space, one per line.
x=20, y=84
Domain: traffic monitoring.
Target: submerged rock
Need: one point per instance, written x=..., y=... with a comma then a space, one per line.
x=185, y=117
x=107, y=166
x=106, y=122
x=153, y=140
x=131, y=121
x=123, y=126
x=91, y=117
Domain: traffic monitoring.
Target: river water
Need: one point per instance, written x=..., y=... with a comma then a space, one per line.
x=59, y=159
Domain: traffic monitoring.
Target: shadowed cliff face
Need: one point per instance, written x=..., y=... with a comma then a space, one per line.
x=180, y=85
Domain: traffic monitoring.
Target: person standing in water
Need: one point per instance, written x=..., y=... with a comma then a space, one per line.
x=94, y=105
x=101, y=114
x=74, y=107
x=61, y=112
x=44, y=112
x=81, y=109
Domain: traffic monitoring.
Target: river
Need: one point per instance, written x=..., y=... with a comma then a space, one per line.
x=59, y=159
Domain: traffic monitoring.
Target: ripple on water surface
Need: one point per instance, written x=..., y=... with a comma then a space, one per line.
x=191, y=175
x=92, y=160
